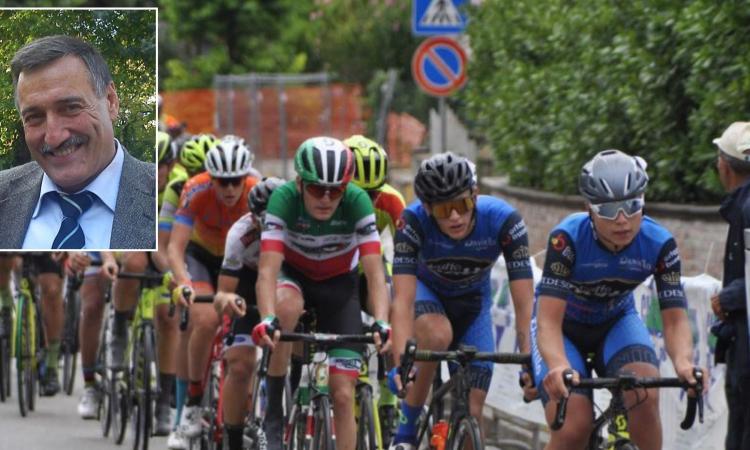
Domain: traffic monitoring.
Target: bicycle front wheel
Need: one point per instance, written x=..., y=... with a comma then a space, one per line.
x=323, y=436
x=143, y=412
x=366, y=437
x=466, y=435
x=4, y=367
x=69, y=347
x=24, y=356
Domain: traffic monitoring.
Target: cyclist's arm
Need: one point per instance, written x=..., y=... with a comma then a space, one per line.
x=522, y=294
x=269, y=267
x=372, y=264
x=402, y=313
x=549, y=318
x=176, y=252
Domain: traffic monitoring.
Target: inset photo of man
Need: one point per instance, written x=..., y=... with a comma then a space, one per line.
x=77, y=127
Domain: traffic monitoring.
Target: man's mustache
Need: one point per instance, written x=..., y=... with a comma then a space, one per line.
x=72, y=141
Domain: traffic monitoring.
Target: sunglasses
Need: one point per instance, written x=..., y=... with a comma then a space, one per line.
x=610, y=210
x=224, y=182
x=319, y=191
x=443, y=210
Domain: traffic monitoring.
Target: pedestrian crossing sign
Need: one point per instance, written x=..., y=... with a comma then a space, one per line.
x=432, y=17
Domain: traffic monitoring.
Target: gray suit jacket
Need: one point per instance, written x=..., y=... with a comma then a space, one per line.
x=134, y=224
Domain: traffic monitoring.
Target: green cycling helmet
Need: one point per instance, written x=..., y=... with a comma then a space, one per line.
x=194, y=152
x=165, y=148
x=324, y=160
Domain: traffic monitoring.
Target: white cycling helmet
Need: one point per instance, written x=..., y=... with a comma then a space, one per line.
x=230, y=158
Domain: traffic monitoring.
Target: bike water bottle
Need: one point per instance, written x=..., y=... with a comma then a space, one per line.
x=439, y=435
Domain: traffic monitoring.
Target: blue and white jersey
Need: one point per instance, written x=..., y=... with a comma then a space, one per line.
x=453, y=268
x=597, y=283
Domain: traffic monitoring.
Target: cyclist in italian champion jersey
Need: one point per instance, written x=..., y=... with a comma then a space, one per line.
x=210, y=203
x=239, y=272
x=316, y=229
x=585, y=302
x=445, y=247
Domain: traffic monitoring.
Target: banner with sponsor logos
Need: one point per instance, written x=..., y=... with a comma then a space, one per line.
x=505, y=394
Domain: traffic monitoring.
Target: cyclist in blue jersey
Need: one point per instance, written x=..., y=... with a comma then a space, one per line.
x=445, y=247
x=585, y=303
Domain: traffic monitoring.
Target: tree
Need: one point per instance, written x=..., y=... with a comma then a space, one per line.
x=552, y=82
x=126, y=39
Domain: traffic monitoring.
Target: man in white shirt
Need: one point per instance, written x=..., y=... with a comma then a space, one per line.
x=83, y=189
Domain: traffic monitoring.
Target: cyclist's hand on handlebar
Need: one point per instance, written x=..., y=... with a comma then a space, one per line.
x=109, y=270
x=183, y=294
x=382, y=335
x=526, y=380
x=77, y=262
x=555, y=385
x=230, y=304
x=394, y=379
x=263, y=332
x=686, y=372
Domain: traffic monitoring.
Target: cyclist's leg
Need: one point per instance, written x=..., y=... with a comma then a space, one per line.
x=166, y=349
x=433, y=331
x=6, y=297
x=289, y=307
x=92, y=311
x=240, y=357
x=578, y=421
x=124, y=300
x=50, y=280
x=337, y=307
x=628, y=348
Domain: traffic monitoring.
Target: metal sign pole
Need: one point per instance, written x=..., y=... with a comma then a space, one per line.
x=443, y=125
x=747, y=276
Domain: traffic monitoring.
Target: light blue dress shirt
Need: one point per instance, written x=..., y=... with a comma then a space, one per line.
x=96, y=222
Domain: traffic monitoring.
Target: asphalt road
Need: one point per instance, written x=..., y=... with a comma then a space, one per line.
x=55, y=425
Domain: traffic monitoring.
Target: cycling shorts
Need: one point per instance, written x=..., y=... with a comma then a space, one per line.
x=336, y=306
x=45, y=264
x=471, y=323
x=202, y=266
x=613, y=344
x=242, y=327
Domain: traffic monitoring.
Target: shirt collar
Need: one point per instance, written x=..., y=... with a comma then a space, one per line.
x=101, y=185
x=728, y=208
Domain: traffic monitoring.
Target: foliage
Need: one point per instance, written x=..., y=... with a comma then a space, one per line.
x=126, y=39
x=552, y=82
x=231, y=37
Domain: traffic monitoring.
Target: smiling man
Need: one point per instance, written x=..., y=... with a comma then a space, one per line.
x=83, y=189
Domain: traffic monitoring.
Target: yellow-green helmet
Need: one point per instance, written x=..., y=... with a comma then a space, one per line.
x=370, y=162
x=164, y=147
x=194, y=150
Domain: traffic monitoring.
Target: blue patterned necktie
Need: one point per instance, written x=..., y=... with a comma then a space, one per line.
x=72, y=206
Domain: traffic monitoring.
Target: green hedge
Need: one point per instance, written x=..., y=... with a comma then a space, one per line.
x=551, y=82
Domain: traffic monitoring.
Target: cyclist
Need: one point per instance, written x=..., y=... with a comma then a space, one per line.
x=96, y=281
x=595, y=259
x=6, y=297
x=370, y=172
x=238, y=275
x=190, y=162
x=210, y=203
x=315, y=228
x=446, y=246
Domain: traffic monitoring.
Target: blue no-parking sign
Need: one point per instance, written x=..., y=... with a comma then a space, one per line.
x=432, y=17
x=439, y=66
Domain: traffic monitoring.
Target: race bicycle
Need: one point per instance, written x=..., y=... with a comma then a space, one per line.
x=615, y=417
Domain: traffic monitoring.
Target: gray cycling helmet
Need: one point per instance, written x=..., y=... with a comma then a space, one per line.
x=443, y=177
x=257, y=201
x=612, y=175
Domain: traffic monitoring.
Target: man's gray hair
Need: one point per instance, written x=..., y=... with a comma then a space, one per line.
x=46, y=50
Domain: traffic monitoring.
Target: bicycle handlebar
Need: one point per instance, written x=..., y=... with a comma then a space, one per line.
x=328, y=339
x=464, y=355
x=203, y=298
x=629, y=382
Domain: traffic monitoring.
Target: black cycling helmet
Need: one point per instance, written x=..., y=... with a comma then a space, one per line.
x=444, y=176
x=257, y=201
x=612, y=175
